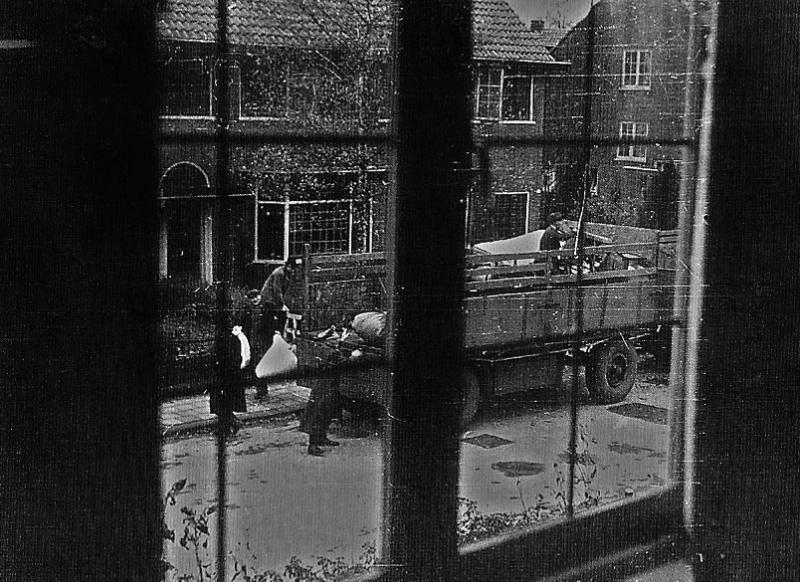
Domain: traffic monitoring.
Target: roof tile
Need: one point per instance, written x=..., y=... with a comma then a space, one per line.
x=498, y=33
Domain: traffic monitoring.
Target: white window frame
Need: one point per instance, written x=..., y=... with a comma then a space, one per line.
x=501, y=88
x=287, y=209
x=479, y=85
x=638, y=79
x=210, y=87
x=628, y=151
x=531, y=115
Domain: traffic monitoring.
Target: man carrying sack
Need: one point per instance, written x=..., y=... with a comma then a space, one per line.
x=272, y=301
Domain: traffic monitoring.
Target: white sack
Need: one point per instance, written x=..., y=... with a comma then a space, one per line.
x=279, y=359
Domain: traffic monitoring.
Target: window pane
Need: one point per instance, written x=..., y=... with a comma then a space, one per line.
x=644, y=68
x=517, y=98
x=187, y=88
x=512, y=214
x=629, y=73
x=325, y=226
x=264, y=92
x=270, y=232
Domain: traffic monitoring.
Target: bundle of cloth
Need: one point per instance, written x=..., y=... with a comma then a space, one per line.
x=372, y=327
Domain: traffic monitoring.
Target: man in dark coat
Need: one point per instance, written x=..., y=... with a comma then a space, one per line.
x=230, y=398
x=272, y=300
x=323, y=403
x=557, y=230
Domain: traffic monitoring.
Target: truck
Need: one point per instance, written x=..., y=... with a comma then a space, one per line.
x=525, y=312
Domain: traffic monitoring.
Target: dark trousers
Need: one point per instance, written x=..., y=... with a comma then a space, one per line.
x=323, y=404
x=272, y=319
x=222, y=402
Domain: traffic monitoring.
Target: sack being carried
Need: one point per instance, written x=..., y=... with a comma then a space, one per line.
x=279, y=359
x=371, y=327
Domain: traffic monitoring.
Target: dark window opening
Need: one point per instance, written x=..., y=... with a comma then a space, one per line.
x=187, y=88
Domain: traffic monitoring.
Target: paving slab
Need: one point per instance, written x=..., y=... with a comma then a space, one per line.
x=190, y=413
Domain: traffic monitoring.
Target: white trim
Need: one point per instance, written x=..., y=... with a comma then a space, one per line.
x=528, y=213
x=258, y=118
x=189, y=117
x=286, y=226
x=371, y=232
x=641, y=169
x=172, y=167
x=295, y=202
x=16, y=43
x=629, y=147
x=350, y=229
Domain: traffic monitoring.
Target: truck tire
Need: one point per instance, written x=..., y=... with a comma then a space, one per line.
x=471, y=399
x=611, y=371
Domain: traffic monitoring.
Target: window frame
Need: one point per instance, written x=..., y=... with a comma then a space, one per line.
x=504, y=75
x=637, y=75
x=630, y=156
x=287, y=221
x=527, y=218
x=285, y=69
x=210, y=86
x=479, y=86
x=431, y=184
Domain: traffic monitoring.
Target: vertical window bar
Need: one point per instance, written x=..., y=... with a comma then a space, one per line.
x=223, y=254
x=587, y=152
x=426, y=256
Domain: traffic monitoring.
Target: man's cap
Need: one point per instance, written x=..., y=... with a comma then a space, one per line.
x=554, y=217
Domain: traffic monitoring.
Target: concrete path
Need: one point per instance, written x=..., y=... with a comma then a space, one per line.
x=191, y=413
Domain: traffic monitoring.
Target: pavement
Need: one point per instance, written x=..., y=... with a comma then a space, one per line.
x=191, y=413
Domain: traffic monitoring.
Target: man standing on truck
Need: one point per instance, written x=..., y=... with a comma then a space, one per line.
x=557, y=230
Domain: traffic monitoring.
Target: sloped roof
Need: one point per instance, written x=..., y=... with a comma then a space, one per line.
x=279, y=23
x=497, y=30
x=550, y=37
x=498, y=34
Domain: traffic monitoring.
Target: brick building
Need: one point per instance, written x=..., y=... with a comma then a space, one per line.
x=322, y=66
x=637, y=90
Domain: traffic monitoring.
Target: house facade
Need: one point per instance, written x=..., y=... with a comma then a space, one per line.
x=637, y=90
x=306, y=68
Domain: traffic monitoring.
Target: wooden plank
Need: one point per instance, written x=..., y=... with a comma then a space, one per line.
x=324, y=275
x=552, y=313
x=630, y=248
x=326, y=260
x=539, y=268
x=526, y=282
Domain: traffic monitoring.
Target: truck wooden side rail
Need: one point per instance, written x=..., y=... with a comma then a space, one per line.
x=522, y=316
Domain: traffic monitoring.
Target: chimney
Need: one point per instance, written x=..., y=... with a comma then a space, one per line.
x=537, y=25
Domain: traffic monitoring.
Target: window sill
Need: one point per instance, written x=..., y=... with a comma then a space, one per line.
x=631, y=159
x=188, y=117
x=635, y=87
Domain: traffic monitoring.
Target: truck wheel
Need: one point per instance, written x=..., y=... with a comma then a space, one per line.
x=471, y=398
x=611, y=371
